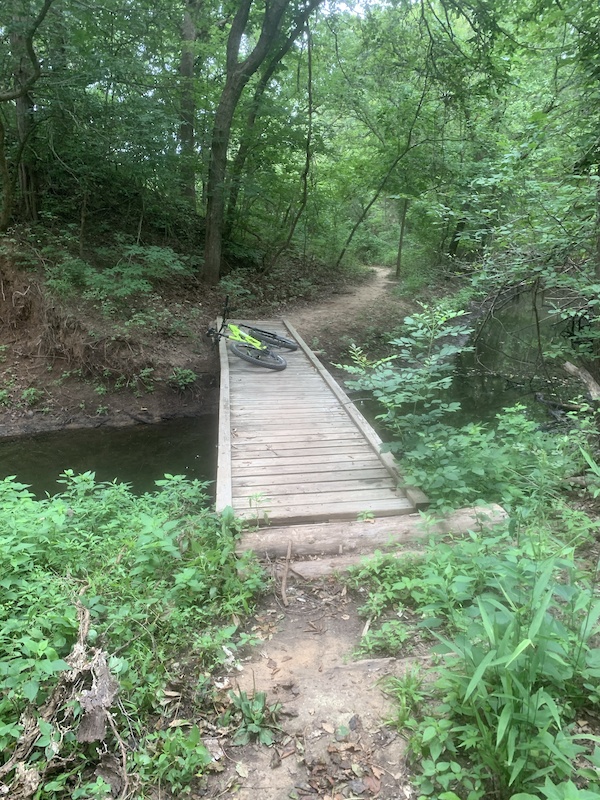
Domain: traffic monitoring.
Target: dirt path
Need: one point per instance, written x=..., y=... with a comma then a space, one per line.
x=335, y=743
x=342, y=316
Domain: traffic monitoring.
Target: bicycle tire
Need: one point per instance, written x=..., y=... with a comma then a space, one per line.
x=262, y=358
x=271, y=339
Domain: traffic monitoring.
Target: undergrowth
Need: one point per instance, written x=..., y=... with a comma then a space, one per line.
x=107, y=594
x=516, y=633
x=508, y=708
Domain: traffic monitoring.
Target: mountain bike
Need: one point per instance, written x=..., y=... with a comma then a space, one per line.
x=252, y=344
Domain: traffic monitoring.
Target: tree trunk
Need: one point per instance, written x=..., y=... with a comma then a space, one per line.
x=239, y=162
x=24, y=109
x=6, y=182
x=455, y=241
x=403, y=211
x=597, y=270
x=26, y=72
x=188, y=106
x=215, y=206
x=238, y=73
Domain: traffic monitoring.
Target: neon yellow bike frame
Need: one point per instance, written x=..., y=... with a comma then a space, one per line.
x=238, y=336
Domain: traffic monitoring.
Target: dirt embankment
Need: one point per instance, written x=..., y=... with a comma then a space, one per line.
x=67, y=368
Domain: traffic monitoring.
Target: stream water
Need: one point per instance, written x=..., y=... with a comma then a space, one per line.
x=506, y=365
x=504, y=368
x=137, y=455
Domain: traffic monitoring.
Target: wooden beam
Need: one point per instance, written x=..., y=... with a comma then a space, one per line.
x=365, y=537
x=223, y=493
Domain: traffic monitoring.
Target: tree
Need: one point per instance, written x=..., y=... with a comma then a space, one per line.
x=237, y=75
x=26, y=72
x=188, y=103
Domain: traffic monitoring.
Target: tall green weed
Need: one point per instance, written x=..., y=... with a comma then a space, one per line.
x=516, y=631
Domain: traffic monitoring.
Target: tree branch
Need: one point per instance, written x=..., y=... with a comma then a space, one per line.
x=14, y=94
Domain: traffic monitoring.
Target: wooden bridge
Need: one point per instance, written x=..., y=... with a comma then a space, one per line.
x=294, y=449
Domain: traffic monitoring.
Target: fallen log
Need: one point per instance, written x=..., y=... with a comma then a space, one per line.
x=363, y=537
x=585, y=377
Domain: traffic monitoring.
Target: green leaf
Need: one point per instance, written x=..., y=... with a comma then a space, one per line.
x=520, y=647
x=524, y=796
x=30, y=690
x=428, y=734
x=50, y=667
x=505, y=718
x=478, y=674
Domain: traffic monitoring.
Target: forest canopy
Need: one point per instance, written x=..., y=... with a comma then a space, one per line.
x=408, y=133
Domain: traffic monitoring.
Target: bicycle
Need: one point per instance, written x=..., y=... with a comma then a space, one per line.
x=255, y=345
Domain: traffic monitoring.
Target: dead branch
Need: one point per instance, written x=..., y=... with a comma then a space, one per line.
x=284, y=598
x=585, y=377
x=95, y=702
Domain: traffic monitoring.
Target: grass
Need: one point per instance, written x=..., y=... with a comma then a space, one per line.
x=516, y=635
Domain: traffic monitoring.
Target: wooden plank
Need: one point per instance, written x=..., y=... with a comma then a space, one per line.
x=283, y=415
x=342, y=459
x=265, y=437
x=322, y=467
x=280, y=449
x=282, y=405
x=317, y=488
x=330, y=448
x=360, y=498
x=276, y=477
x=223, y=488
x=300, y=423
x=332, y=511
x=419, y=498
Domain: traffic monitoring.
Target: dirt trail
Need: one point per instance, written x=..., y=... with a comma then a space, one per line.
x=341, y=315
x=335, y=743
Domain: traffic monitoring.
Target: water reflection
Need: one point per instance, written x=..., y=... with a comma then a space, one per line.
x=506, y=365
x=136, y=455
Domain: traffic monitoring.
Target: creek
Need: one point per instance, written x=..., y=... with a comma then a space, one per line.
x=504, y=368
x=506, y=365
x=138, y=455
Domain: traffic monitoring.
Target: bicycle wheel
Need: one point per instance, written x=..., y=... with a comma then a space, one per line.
x=262, y=358
x=271, y=339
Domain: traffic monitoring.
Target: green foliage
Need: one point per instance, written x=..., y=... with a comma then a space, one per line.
x=409, y=384
x=137, y=270
x=31, y=396
x=160, y=574
x=409, y=694
x=257, y=719
x=182, y=378
x=517, y=633
x=514, y=463
x=389, y=639
x=174, y=757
